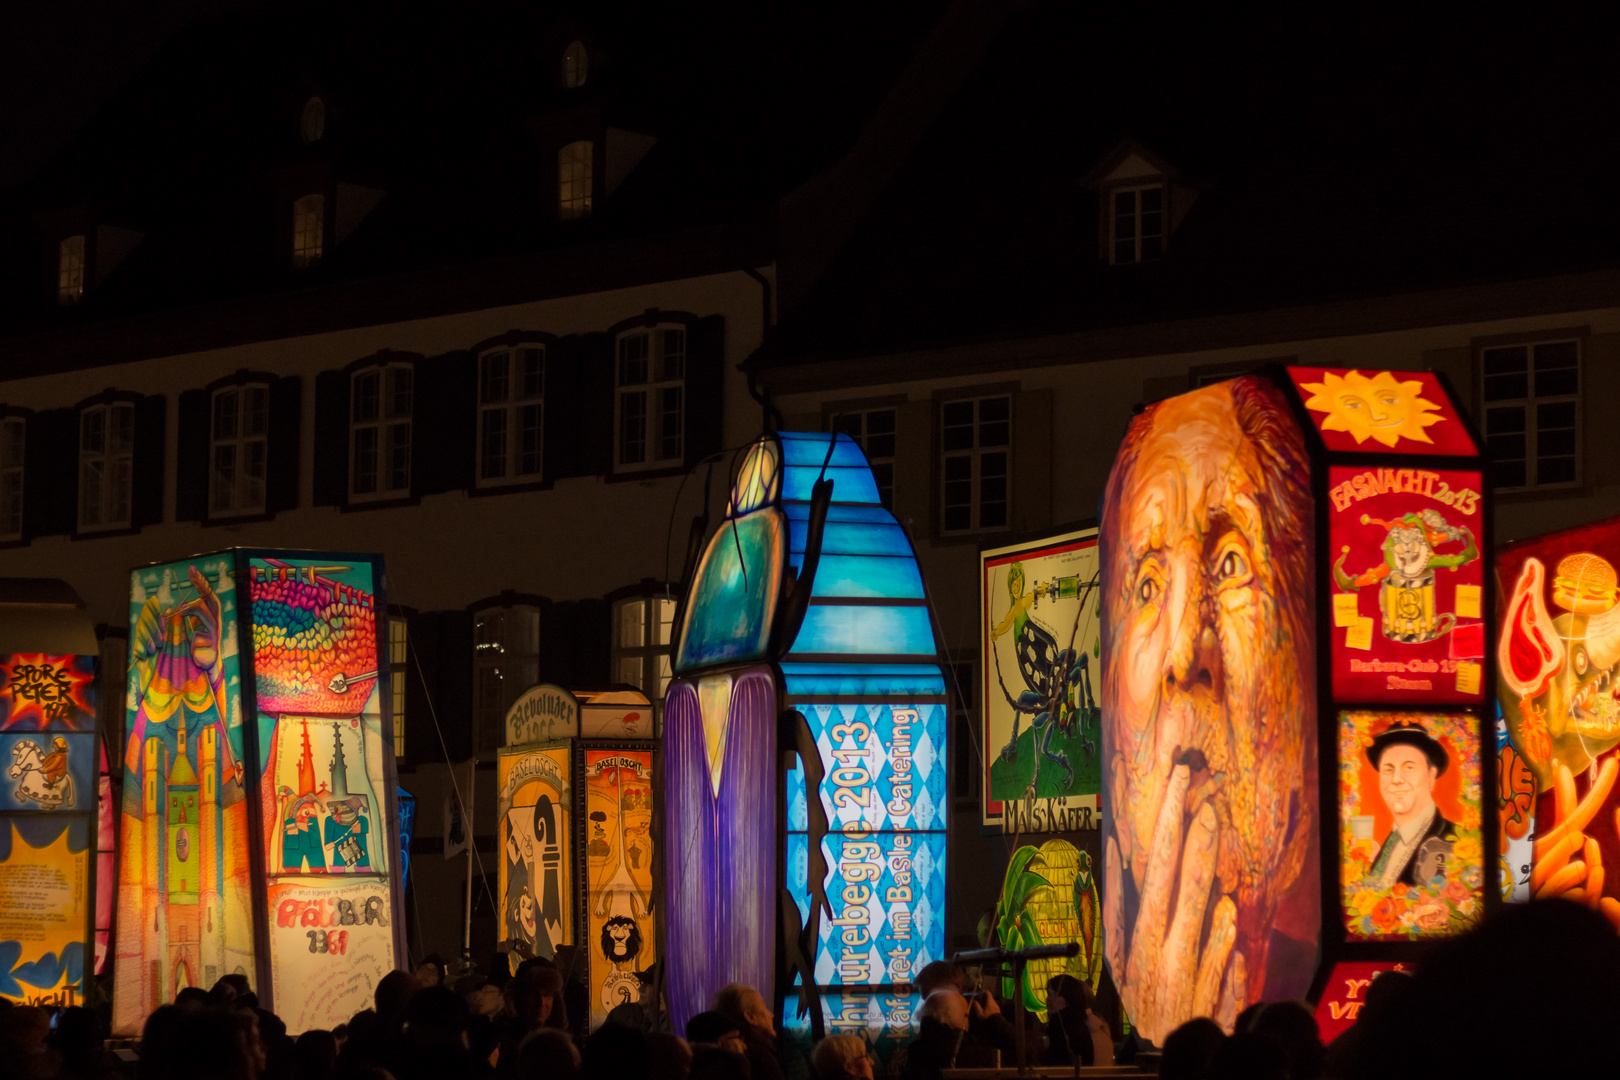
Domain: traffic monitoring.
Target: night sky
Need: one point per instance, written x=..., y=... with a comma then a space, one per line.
x=60, y=60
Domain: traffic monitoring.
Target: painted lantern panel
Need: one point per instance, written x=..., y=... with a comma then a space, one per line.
x=1039, y=632
x=1410, y=813
x=1382, y=412
x=185, y=915
x=621, y=932
x=534, y=816
x=322, y=793
x=1408, y=585
x=50, y=749
x=1208, y=674
x=1558, y=689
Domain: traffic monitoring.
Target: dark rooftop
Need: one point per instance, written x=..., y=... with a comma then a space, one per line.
x=1336, y=154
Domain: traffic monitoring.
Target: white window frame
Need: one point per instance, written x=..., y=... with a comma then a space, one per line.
x=857, y=424
x=398, y=655
x=383, y=433
x=1135, y=216
x=662, y=373
x=108, y=461
x=70, y=261
x=576, y=168
x=308, y=229
x=13, y=462
x=643, y=643
x=982, y=457
x=514, y=417
x=506, y=662
x=238, y=429
x=1494, y=411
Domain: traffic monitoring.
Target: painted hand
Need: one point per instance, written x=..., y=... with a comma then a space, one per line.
x=1171, y=974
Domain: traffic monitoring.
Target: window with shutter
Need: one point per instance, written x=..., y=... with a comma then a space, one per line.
x=506, y=662
x=13, y=445
x=650, y=393
x=380, y=411
x=238, y=449
x=1532, y=398
x=511, y=414
x=106, y=466
x=975, y=464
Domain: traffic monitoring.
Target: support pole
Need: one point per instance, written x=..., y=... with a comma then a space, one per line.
x=472, y=845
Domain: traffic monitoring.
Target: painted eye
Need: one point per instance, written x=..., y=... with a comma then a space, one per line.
x=1232, y=565
x=1390, y=399
x=1148, y=590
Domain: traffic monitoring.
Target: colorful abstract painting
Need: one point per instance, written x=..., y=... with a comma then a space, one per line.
x=329, y=832
x=183, y=879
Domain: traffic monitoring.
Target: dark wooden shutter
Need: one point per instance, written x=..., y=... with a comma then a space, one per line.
x=286, y=416
x=444, y=424
x=331, y=438
x=595, y=405
x=50, y=473
x=705, y=388
x=562, y=420
x=455, y=700
x=592, y=634
x=146, y=487
x=191, y=456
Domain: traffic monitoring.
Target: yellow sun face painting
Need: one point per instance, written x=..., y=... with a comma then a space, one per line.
x=1376, y=408
x=1373, y=413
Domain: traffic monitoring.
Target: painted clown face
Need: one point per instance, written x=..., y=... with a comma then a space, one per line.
x=1410, y=551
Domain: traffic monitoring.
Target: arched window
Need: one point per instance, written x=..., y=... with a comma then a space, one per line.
x=576, y=64
x=574, y=179
x=70, y=270
x=309, y=229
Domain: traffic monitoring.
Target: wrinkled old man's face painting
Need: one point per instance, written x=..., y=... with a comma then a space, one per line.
x=1208, y=730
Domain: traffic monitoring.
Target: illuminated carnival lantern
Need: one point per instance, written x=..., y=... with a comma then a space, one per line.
x=1293, y=668
x=1558, y=661
x=806, y=633
x=577, y=832
x=260, y=824
x=55, y=813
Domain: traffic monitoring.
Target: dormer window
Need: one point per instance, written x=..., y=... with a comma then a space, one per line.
x=575, y=65
x=1140, y=203
x=312, y=121
x=574, y=180
x=70, y=270
x=1138, y=224
x=309, y=229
